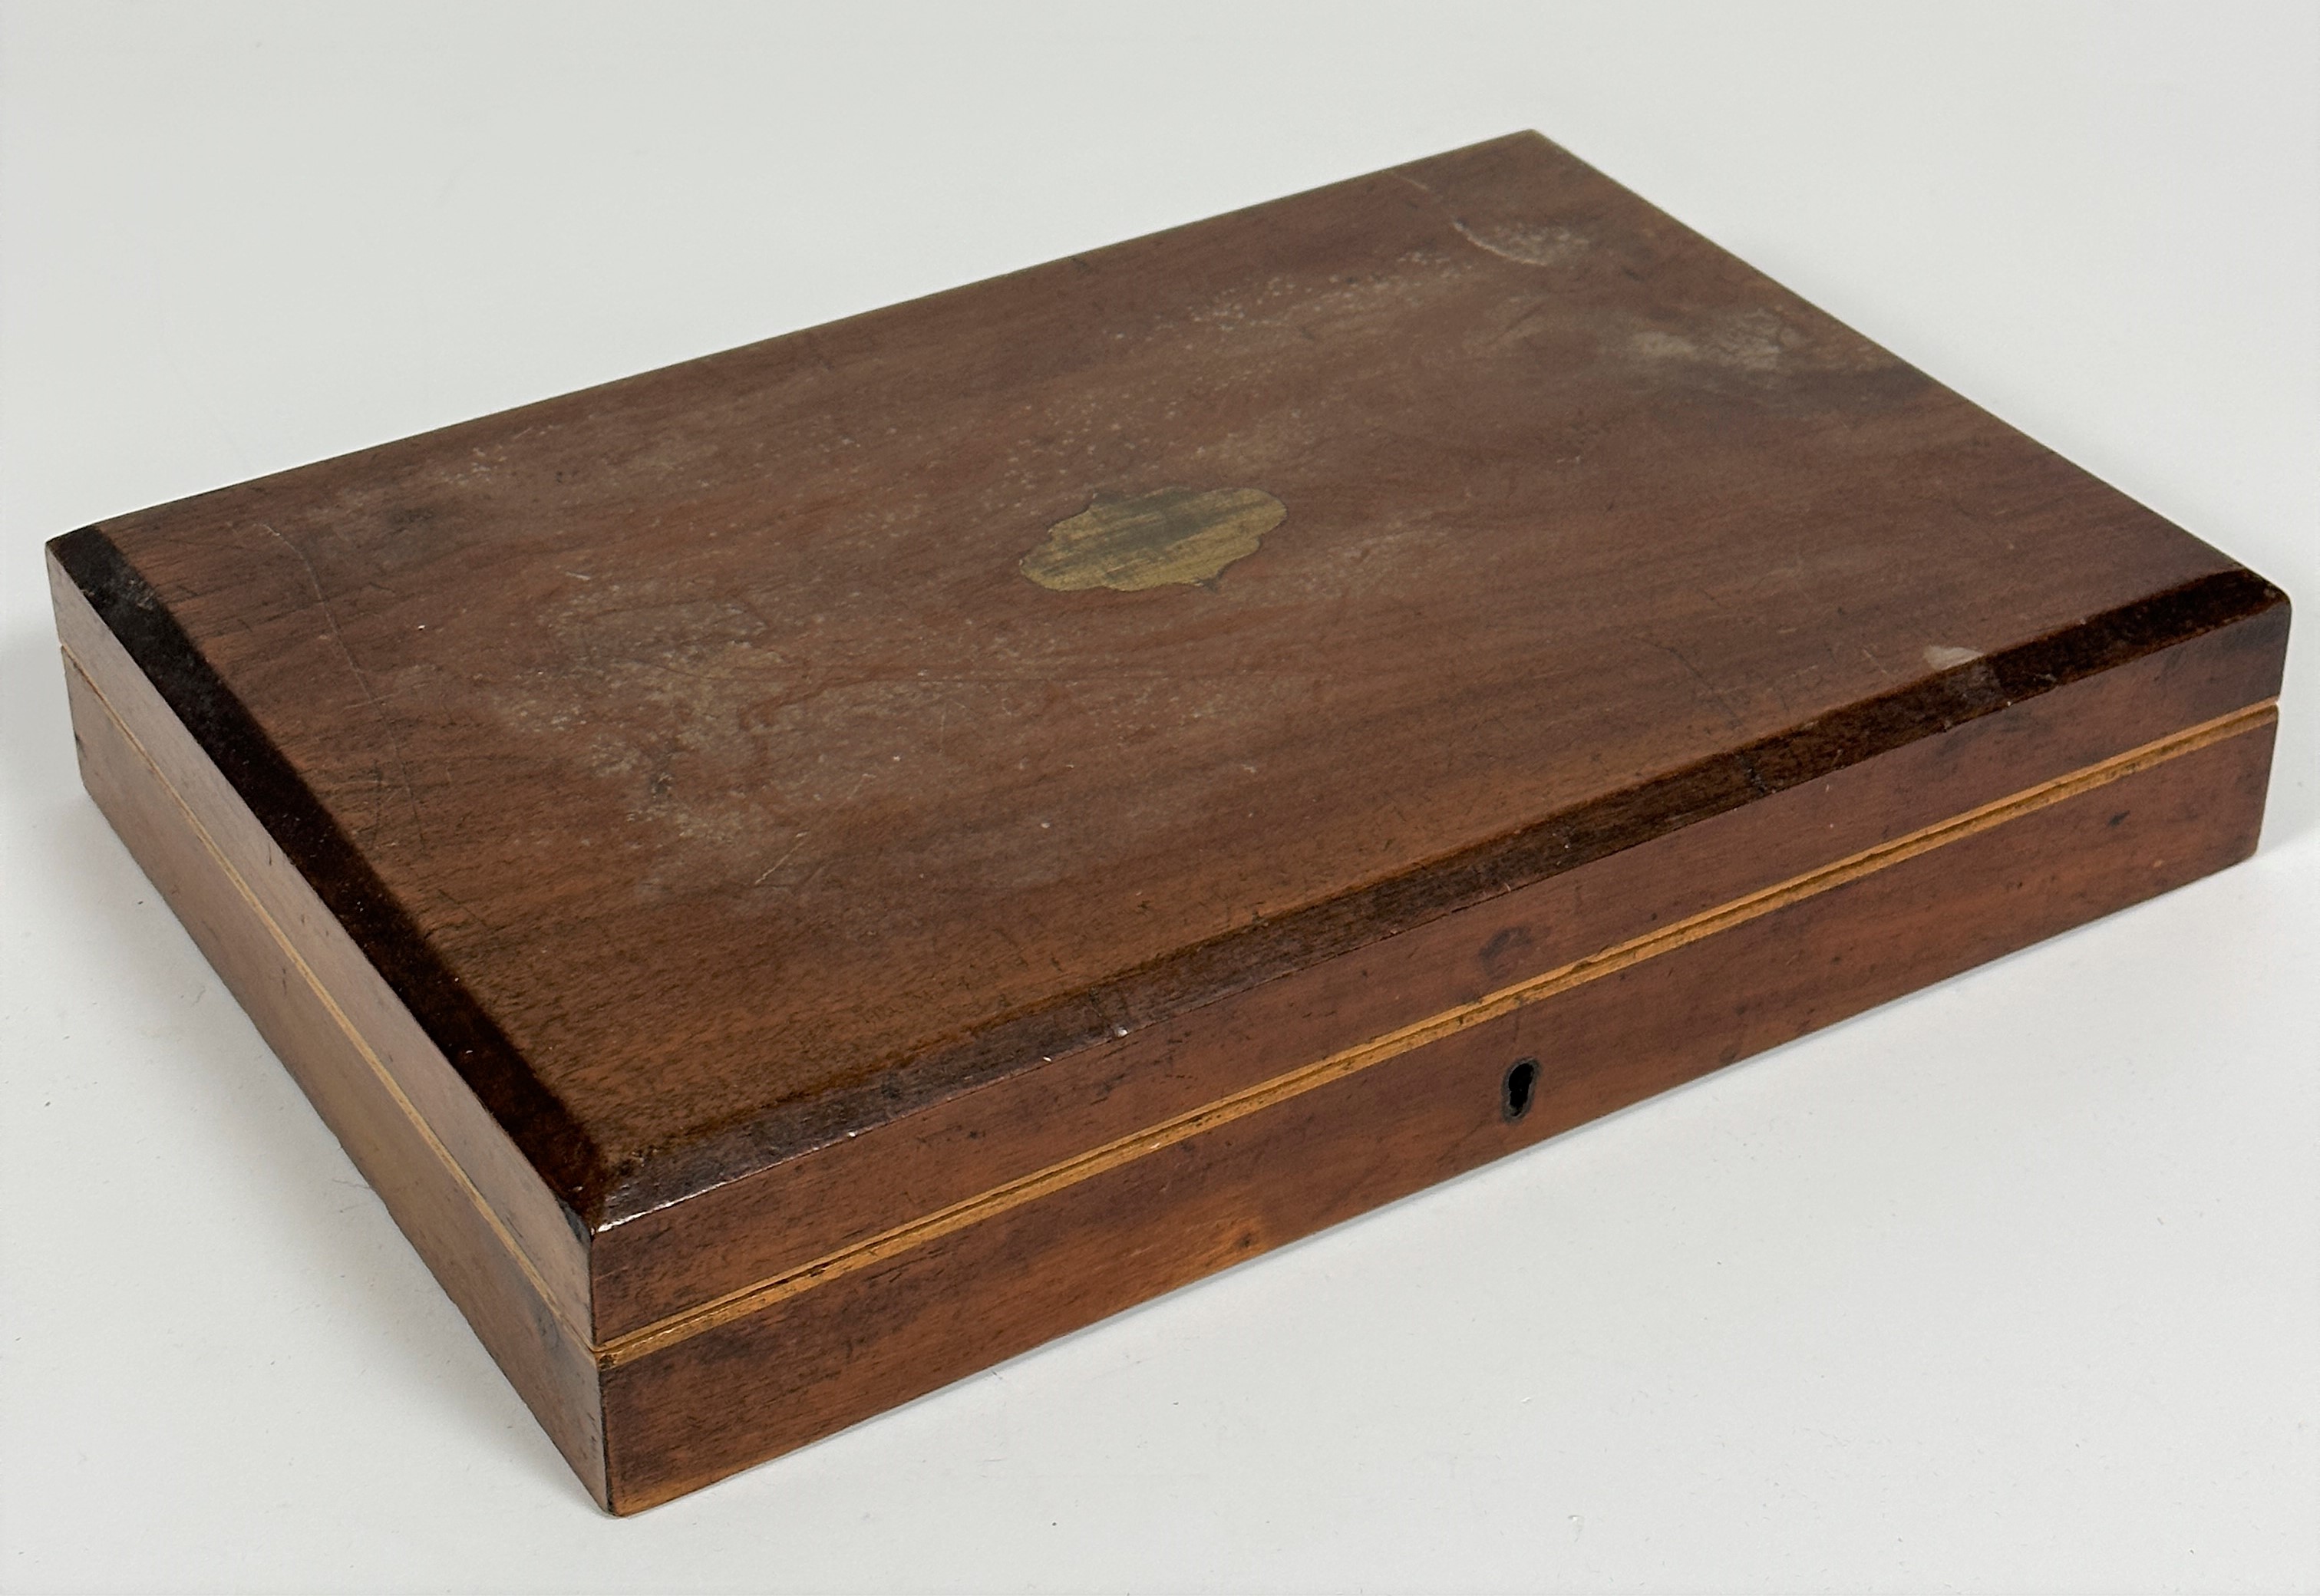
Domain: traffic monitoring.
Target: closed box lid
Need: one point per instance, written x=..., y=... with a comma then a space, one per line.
x=727, y=759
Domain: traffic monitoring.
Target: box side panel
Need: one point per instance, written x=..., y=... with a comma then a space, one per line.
x=272, y=965
x=790, y=1216
x=486, y=1158
x=854, y=1342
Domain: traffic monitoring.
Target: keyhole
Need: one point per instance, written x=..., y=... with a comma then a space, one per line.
x=1517, y=1091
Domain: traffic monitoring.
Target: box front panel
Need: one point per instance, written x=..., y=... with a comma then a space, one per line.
x=762, y=1375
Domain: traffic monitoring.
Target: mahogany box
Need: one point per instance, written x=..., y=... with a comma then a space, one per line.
x=803, y=875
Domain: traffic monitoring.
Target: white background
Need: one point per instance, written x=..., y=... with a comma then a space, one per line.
x=2011, y=1285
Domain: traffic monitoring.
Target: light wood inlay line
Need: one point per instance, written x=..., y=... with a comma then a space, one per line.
x=751, y=1299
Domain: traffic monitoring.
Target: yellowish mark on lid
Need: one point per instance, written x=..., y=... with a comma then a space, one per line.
x=1176, y=534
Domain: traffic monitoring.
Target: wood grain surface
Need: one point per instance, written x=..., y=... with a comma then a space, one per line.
x=800, y=874
x=694, y=754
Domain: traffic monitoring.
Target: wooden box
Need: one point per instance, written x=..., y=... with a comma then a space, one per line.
x=804, y=874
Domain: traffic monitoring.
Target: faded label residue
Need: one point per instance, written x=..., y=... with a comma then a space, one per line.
x=1177, y=534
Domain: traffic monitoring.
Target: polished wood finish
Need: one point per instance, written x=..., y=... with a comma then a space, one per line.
x=804, y=873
